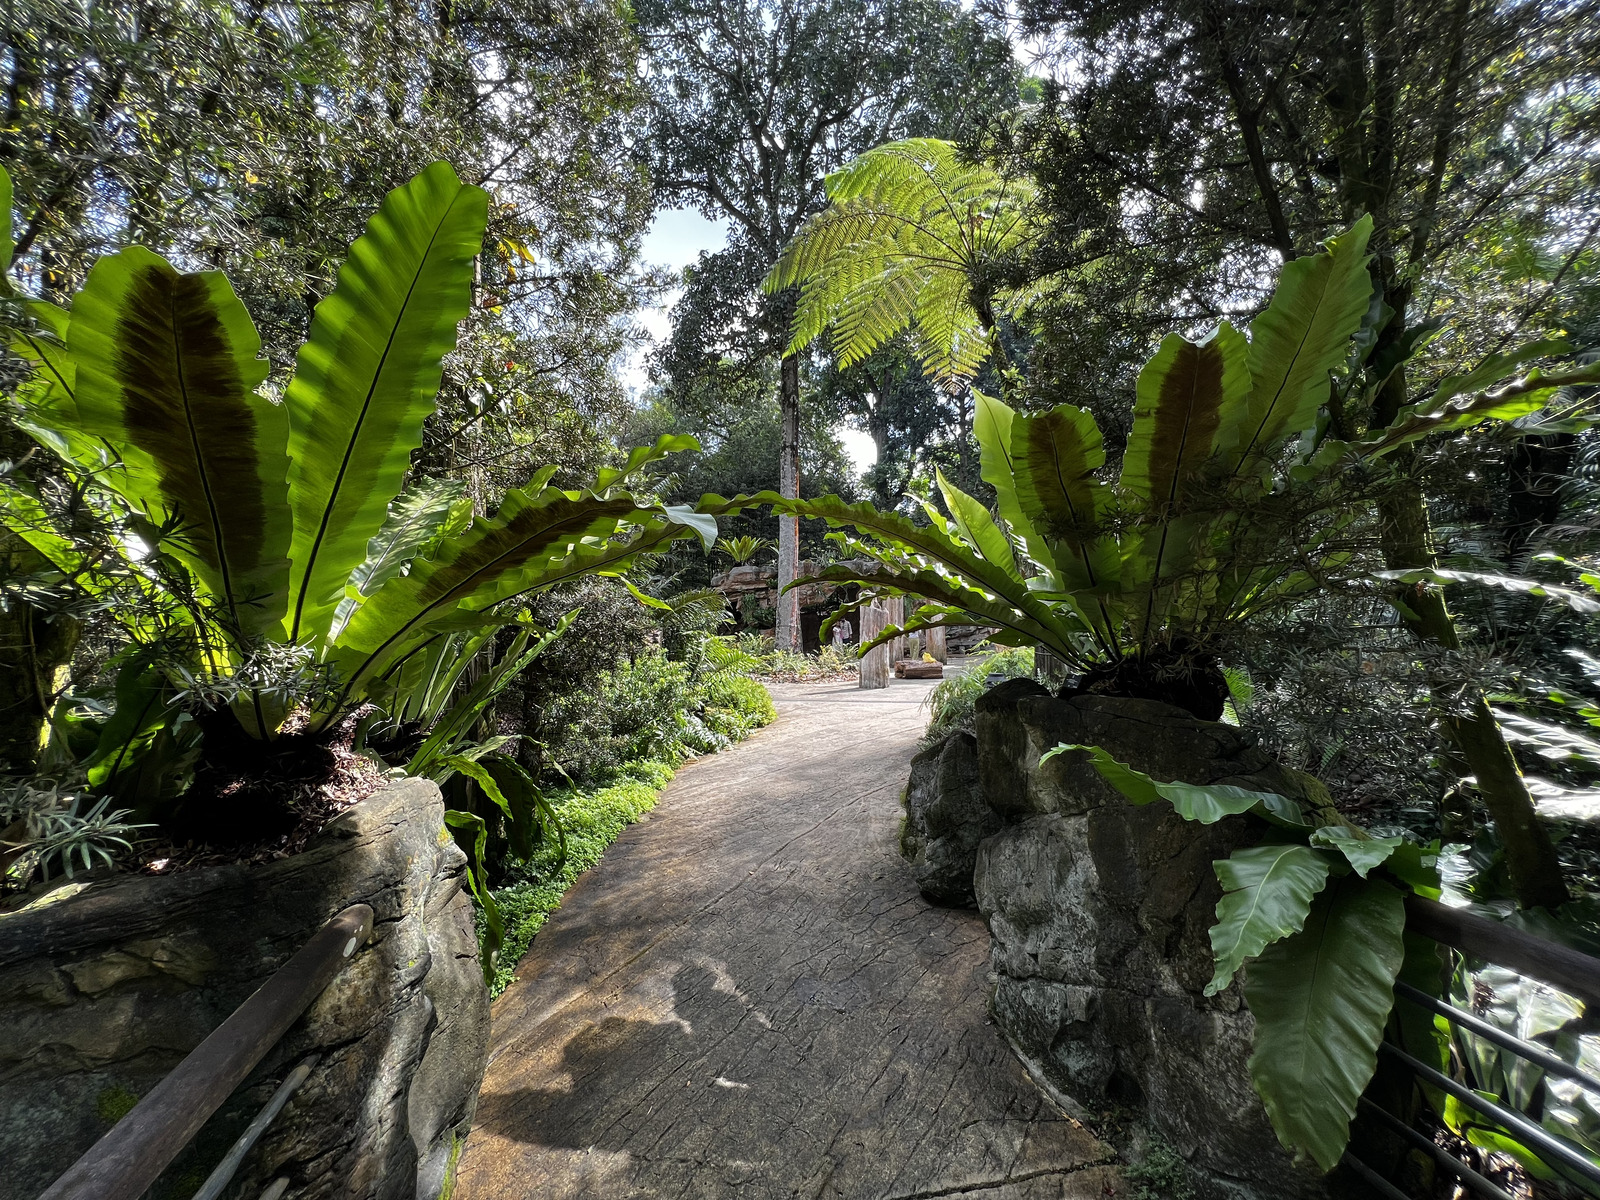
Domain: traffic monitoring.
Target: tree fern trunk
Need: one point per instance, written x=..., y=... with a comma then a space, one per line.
x=34, y=652
x=1535, y=870
x=787, y=634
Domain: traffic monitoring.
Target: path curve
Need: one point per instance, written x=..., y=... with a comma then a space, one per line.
x=748, y=998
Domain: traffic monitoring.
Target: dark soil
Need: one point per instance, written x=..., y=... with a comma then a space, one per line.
x=1178, y=673
x=255, y=801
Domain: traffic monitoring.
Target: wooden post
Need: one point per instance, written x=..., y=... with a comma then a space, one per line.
x=1051, y=667
x=875, y=663
x=126, y=1161
x=897, y=616
x=937, y=646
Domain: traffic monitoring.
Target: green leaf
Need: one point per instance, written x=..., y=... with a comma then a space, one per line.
x=472, y=835
x=1577, y=601
x=1461, y=402
x=167, y=365
x=992, y=423
x=369, y=375
x=1009, y=602
x=1303, y=334
x=1056, y=457
x=1361, y=850
x=7, y=245
x=908, y=227
x=534, y=542
x=22, y=512
x=1320, y=999
x=1184, y=394
x=702, y=524
x=416, y=517
x=1193, y=802
x=531, y=818
x=667, y=443
x=977, y=527
x=1495, y=368
x=1267, y=892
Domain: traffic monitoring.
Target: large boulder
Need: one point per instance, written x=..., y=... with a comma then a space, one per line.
x=1099, y=911
x=105, y=987
x=946, y=818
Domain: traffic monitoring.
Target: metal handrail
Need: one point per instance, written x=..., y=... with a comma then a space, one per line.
x=1562, y=967
x=1537, y=1055
x=1535, y=1136
x=129, y=1158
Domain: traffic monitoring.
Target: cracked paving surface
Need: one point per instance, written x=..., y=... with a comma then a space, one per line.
x=748, y=998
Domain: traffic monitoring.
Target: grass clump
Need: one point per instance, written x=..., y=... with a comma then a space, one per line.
x=950, y=704
x=1161, y=1174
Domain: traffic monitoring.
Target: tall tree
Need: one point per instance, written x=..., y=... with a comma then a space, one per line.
x=1236, y=135
x=256, y=138
x=756, y=101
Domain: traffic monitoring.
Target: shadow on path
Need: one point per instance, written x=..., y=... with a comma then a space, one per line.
x=747, y=997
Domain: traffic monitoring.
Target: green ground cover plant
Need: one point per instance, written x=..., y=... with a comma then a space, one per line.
x=951, y=702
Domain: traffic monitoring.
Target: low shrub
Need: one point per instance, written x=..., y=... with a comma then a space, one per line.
x=735, y=707
x=1160, y=1175
x=950, y=703
x=651, y=709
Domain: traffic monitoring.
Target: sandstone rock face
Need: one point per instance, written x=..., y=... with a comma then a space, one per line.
x=1099, y=913
x=946, y=818
x=104, y=989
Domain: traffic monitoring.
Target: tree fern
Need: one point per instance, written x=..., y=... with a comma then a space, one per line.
x=904, y=247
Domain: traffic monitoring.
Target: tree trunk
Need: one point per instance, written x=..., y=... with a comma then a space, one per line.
x=1531, y=860
x=34, y=653
x=937, y=645
x=787, y=634
x=895, y=614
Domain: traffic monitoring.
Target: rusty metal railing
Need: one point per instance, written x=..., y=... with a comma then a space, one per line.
x=127, y=1160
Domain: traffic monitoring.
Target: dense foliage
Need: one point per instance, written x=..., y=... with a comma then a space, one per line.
x=261, y=557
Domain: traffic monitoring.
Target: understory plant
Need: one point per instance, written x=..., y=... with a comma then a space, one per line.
x=269, y=568
x=1232, y=502
x=1317, y=912
x=1314, y=917
x=950, y=704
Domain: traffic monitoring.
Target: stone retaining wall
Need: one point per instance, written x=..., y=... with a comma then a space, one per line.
x=1099, y=913
x=104, y=988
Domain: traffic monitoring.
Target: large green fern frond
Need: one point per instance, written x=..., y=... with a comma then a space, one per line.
x=908, y=228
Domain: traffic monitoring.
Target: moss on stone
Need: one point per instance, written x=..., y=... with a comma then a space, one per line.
x=114, y=1103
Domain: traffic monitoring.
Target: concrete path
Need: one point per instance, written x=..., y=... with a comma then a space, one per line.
x=748, y=998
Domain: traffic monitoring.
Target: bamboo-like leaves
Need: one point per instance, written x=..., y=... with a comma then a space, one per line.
x=368, y=377
x=1320, y=999
x=166, y=368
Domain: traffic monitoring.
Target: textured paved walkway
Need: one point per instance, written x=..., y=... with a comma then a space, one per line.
x=748, y=998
